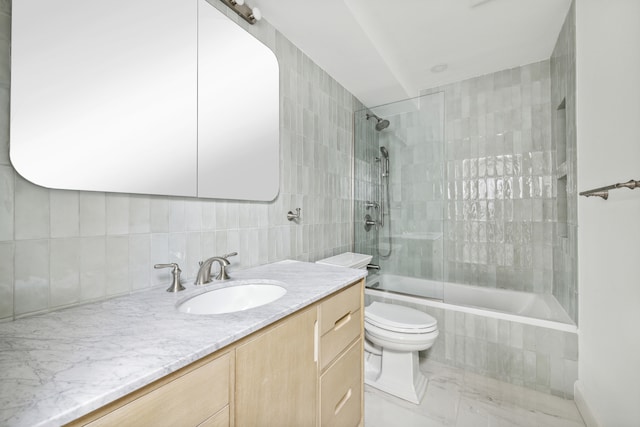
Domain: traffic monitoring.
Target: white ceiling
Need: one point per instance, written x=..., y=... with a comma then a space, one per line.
x=383, y=50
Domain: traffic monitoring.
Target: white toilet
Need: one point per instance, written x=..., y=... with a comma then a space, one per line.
x=394, y=336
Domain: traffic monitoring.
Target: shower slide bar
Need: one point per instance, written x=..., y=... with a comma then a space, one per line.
x=604, y=191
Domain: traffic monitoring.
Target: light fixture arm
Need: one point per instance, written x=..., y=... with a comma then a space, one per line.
x=251, y=15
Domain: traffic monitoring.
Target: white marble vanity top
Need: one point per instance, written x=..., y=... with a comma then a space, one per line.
x=61, y=365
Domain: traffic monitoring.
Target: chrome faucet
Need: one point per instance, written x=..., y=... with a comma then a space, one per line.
x=204, y=273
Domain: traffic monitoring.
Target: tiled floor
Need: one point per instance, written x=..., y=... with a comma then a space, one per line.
x=462, y=399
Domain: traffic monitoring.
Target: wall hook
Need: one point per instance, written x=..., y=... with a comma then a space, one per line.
x=293, y=216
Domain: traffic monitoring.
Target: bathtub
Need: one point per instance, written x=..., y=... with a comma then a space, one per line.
x=522, y=338
x=524, y=307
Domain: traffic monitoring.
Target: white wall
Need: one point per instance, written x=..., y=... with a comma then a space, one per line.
x=608, y=126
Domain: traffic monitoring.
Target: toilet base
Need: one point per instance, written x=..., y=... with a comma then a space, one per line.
x=396, y=373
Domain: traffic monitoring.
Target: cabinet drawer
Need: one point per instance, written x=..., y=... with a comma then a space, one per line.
x=347, y=329
x=221, y=419
x=187, y=401
x=338, y=307
x=341, y=390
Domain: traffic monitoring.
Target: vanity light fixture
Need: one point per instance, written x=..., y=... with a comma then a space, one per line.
x=249, y=14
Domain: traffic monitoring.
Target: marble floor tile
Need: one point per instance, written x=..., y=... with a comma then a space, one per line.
x=463, y=399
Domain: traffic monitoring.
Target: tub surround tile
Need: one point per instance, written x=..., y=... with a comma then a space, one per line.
x=521, y=354
x=68, y=344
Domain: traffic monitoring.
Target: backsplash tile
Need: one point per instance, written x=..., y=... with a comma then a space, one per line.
x=65, y=272
x=65, y=213
x=117, y=214
x=31, y=210
x=93, y=268
x=7, y=206
x=75, y=246
x=31, y=280
x=92, y=214
x=117, y=248
x=6, y=280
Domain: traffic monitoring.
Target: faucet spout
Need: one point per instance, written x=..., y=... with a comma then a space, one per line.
x=204, y=273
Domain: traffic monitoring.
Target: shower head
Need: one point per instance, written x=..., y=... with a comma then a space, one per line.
x=381, y=123
x=384, y=152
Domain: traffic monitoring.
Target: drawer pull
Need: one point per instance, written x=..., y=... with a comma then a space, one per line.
x=343, y=402
x=316, y=340
x=342, y=321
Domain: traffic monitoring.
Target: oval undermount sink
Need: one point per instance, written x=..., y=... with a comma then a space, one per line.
x=233, y=298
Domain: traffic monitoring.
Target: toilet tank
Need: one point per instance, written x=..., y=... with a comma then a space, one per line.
x=348, y=259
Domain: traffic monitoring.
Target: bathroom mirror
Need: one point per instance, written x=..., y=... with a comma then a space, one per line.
x=165, y=97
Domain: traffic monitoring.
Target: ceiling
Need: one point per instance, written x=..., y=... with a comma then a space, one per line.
x=384, y=51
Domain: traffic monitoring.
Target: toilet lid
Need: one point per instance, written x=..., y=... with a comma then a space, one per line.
x=399, y=318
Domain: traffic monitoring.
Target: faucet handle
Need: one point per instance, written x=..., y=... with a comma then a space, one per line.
x=176, y=286
x=223, y=275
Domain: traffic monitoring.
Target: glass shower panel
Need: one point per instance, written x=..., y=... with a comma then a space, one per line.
x=399, y=184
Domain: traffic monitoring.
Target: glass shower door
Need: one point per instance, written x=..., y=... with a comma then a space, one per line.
x=398, y=195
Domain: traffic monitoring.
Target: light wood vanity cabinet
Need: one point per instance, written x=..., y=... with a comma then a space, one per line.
x=276, y=376
x=304, y=370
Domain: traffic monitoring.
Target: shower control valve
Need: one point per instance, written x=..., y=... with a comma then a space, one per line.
x=374, y=205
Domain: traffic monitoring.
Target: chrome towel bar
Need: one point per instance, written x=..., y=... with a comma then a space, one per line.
x=604, y=191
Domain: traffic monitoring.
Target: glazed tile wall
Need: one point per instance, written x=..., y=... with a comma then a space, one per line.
x=539, y=358
x=59, y=248
x=563, y=120
x=500, y=190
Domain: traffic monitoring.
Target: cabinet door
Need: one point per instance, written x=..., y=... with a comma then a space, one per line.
x=277, y=375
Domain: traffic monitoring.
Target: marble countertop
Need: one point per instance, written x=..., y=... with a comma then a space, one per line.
x=61, y=365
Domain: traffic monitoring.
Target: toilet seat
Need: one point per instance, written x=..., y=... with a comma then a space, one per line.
x=398, y=318
x=400, y=341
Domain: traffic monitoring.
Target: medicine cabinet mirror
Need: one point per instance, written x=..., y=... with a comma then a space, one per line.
x=165, y=97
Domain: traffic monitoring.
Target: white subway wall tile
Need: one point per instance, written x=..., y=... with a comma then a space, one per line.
x=6, y=280
x=92, y=214
x=31, y=210
x=117, y=213
x=139, y=261
x=139, y=214
x=93, y=268
x=117, y=265
x=65, y=272
x=160, y=255
x=31, y=293
x=65, y=213
x=7, y=204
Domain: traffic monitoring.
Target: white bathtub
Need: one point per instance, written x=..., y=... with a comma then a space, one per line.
x=522, y=307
